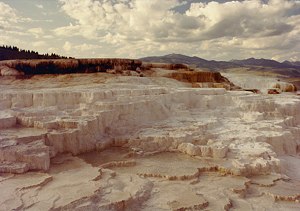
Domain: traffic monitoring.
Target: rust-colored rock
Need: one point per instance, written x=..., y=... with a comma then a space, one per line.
x=197, y=76
x=147, y=66
x=65, y=66
x=273, y=91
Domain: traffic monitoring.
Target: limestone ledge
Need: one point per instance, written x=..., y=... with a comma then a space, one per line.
x=199, y=122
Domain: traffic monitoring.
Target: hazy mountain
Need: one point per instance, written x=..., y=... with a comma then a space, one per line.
x=262, y=63
x=219, y=65
x=296, y=63
x=193, y=61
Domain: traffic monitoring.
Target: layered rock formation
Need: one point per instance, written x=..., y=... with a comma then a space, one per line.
x=196, y=78
x=201, y=79
x=64, y=66
x=145, y=144
x=193, y=76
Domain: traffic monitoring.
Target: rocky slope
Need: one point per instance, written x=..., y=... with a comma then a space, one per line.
x=111, y=142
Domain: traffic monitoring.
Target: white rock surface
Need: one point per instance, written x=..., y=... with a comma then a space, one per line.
x=262, y=83
x=231, y=133
x=156, y=118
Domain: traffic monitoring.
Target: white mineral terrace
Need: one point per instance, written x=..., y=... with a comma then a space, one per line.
x=131, y=143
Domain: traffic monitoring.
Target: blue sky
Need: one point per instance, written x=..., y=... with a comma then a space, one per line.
x=220, y=30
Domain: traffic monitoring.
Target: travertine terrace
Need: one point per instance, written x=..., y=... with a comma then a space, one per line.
x=110, y=142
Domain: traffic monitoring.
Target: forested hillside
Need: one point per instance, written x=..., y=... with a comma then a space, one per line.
x=13, y=52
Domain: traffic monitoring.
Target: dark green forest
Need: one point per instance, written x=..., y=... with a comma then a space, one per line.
x=13, y=52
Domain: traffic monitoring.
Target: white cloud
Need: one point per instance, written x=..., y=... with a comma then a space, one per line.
x=39, y=44
x=8, y=15
x=131, y=20
x=40, y=6
x=77, y=30
x=243, y=18
x=37, y=32
x=79, y=50
x=67, y=46
x=86, y=47
x=155, y=27
x=136, y=28
x=5, y=40
x=48, y=37
x=155, y=20
x=11, y=28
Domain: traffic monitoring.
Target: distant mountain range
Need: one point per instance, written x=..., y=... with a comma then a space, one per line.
x=297, y=63
x=220, y=65
x=192, y=61
x=265, y=63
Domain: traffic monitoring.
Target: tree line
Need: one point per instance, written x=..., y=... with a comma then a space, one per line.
x=13, y=52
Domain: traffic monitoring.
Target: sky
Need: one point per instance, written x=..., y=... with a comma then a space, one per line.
x=214, y=30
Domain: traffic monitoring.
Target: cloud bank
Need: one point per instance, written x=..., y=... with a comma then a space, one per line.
x=213, y=30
